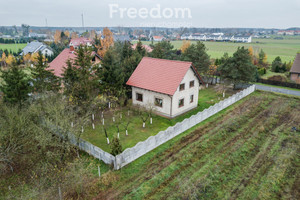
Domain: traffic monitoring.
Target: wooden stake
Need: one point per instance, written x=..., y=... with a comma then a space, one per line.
x=99, y=171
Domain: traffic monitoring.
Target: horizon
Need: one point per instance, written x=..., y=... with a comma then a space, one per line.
x=147, y=14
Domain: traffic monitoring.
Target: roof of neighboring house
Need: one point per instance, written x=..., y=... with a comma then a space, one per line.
x=159, y=75
x=157, y=37
x=59, y=63
x=146, y=47
x=33, y=47
x=80, y=41
x=296, y=65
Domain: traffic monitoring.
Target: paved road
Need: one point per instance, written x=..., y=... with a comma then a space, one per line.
x=279, y=90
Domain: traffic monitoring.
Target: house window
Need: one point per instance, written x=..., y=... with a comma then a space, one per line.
x=181, y=103
x=192, y=98
x=158, y=102
x=192, y=84
x=181, y=87
x=139, y=97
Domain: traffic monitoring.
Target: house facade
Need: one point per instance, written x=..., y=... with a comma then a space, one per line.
x=169, y=87
x=295, y=70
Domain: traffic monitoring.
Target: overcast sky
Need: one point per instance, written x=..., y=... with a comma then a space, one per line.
x=198, y=13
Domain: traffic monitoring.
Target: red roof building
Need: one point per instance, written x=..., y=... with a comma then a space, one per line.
x=146, y=47
x=171, y=86
x=76, y=42
x=60, y=62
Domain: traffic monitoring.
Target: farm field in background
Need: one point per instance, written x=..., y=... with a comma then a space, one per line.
x=12, y=47
x=136, y=132
x=247, y=151
x=286, y=48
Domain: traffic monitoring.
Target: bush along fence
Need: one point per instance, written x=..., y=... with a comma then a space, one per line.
x=279, y=83
x=141, y=148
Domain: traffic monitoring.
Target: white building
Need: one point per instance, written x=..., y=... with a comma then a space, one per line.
x=170, y=87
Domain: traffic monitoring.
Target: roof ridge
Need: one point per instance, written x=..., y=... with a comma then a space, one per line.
x=180, y=61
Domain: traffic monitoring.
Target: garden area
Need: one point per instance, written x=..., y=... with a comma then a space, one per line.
x=118, y=120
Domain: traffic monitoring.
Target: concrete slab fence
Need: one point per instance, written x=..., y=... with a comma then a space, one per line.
x=141, y=148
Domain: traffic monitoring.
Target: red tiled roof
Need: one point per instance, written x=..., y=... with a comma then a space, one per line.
x=79, y=41
x=157, y=37
x=159, y=75
x=146, y=47
x=296, y=65
x=58, y=64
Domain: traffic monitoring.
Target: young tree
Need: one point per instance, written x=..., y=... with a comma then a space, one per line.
x=196, y=53
x=16, y=86
x=186, y=44
x=238, y=68
x=116, y=147
x=57, y=36
x=262, y=59
x=140, y=49
x=43, y=79
x=276, y=64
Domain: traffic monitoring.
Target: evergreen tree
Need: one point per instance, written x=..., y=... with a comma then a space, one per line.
x=111, y=75
x=164, y=50
x=116, y=147
x=239, y=68
x=16, y=86
x=43, y=79
x=79, y=77
x=196, y=53
x=276, y=64
x=262, y=58
x=140, y=49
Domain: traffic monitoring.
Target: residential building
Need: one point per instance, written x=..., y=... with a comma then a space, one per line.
x=60, y=62
x=76, y=42
x=295, y=70
x=146, y=47
x=35, y=46
x=157, y=38
x=170, y=87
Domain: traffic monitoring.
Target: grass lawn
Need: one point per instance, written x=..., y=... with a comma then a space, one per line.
x=286, y=48
x=246, y=151
x=269, y=74
x=136, y=132
x=12, y=47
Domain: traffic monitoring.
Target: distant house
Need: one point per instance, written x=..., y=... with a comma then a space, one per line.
x=121, y=38
x=76, y=42
x=171, y=87
x=35, y=46
x=157, y=38
x=295, y=70
x=146, y=47
x=60, y=62
x=218, y=37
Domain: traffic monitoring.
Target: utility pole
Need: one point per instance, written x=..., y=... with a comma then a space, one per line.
x=82, y=22
x=46, y=22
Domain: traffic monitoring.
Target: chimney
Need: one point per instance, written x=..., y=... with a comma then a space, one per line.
x=72, y=49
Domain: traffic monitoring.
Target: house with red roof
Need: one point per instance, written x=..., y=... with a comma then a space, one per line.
x=157, y=38
x=146, y=47
x=76, y=42
x=170, y=87
x=60, y=62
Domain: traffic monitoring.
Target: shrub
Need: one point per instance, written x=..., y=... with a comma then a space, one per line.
x=116, y=147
